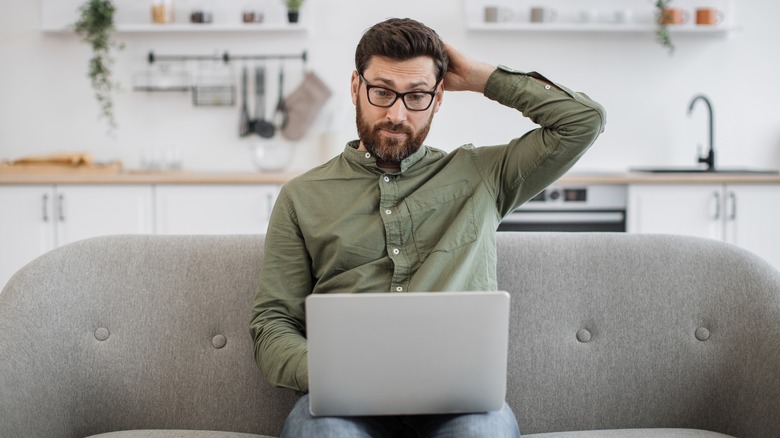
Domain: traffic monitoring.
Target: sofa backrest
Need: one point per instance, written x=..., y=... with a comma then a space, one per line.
x=617, y=331
x=135, y=332
x=608, y=331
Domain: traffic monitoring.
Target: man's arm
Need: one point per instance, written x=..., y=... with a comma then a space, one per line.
x=570, y=122
x=278, y=318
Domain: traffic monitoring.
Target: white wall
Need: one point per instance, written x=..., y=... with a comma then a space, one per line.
x=46, y=104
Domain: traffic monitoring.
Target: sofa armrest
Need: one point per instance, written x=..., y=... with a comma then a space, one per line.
x=758, y=406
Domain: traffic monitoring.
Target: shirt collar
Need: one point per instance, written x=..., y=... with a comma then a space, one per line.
x=365, y=158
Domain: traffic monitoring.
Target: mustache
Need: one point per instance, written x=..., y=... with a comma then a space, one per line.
x=395, y=127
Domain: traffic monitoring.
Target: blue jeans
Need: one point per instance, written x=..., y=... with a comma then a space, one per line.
x=499, y=424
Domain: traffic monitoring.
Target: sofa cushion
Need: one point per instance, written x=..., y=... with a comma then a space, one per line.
x=632, y=433
x=150, y=433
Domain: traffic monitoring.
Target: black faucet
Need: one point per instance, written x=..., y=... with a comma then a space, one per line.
x=710, y=158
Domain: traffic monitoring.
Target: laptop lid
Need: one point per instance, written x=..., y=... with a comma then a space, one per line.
x=407, y=353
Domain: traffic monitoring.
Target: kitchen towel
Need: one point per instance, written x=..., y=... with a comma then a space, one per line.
x=303, y=105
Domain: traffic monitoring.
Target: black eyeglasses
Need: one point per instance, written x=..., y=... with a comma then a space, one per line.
x=385, y=97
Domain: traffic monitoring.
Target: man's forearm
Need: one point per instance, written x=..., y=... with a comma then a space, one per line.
x=281, y=353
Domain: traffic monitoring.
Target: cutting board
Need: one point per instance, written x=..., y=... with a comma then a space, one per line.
x=59, y=163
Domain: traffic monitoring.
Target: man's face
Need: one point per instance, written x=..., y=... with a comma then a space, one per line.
x=393, y=133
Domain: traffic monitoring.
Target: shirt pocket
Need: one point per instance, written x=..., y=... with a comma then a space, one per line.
x=443, y=218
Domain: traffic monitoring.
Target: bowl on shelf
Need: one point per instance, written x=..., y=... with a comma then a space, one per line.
x=273, y=155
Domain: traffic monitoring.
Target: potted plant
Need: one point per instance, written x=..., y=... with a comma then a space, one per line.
x=95, y=27
x=293, y=10
x=662, y=25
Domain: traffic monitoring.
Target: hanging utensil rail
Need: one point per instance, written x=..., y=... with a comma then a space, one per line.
x=225, y=57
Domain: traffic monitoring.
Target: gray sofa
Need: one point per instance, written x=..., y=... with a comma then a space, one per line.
x=613, y=335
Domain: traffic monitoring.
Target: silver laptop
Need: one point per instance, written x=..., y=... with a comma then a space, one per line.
x=407, y=353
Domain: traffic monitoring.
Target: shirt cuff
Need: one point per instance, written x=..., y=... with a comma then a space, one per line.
x=504, y=77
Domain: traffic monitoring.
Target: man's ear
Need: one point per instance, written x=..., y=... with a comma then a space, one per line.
x=439, y=96
x=355, y=86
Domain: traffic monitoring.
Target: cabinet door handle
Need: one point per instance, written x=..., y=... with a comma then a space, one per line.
x=61, y=207
x=716, y=213
x=733, y=202
x=45, y=205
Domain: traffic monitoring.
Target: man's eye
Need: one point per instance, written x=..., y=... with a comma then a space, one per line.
x=383, y=94
x=416, y=97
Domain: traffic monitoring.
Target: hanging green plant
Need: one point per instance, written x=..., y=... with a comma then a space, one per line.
x=662, y=25
x=95, y=27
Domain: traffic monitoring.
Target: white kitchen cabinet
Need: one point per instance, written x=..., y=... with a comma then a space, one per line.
x=752, y=217
x=214, y=209
x=38, y=218
x=743, y=214
x=27, y=229
x=690, y=210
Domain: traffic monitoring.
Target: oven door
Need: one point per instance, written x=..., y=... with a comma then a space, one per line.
x=565, y=220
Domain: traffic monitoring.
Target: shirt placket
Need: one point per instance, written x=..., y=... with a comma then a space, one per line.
x=391, y=216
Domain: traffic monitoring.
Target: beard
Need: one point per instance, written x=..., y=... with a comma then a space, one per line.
x=391, y=150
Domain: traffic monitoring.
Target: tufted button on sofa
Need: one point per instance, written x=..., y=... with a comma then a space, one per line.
x=612, y=335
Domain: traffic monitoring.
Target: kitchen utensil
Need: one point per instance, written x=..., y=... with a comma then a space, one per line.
x=262, y=127
x=280, y=115
x=244, y=128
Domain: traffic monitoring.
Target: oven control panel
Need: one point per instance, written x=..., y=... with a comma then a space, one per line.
x=572, y=208
x=596, y=197
x=562, y=195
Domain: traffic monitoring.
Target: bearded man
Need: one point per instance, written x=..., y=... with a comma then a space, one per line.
x=391, y=214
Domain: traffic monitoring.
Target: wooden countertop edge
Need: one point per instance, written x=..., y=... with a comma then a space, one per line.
x=194, y=177
x=162, y=177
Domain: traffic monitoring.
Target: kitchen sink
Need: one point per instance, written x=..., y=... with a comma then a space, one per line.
x=700, y=170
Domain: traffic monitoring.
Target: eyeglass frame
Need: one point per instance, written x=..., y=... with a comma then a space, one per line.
x=398, y=95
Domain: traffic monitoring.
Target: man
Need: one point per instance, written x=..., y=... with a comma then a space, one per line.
x=391, y=214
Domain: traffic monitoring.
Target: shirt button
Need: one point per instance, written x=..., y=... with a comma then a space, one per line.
x=388, y=211
x=387, y=179
x=399, y=289
x=546, y=87
x=368, y=155
x=396, y=251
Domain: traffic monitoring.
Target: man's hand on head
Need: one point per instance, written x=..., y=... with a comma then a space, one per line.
x=464, y=73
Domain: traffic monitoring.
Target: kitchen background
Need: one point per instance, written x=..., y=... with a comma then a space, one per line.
x=47, y=104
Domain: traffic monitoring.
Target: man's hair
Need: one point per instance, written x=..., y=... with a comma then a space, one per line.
x=401, y=39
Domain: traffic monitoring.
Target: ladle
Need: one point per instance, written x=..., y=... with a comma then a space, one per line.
x=262, y=127
x=280, y=115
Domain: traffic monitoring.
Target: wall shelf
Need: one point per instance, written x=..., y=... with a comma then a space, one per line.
x=132, y=17
x=197, y=28
x=595, y=27
x=594, y=16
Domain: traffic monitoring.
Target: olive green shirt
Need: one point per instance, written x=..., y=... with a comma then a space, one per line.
x=347, y=226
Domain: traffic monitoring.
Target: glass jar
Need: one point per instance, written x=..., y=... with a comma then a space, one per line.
x=162, y=11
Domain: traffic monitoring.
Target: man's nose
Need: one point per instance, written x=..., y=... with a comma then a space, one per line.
x=397, y=112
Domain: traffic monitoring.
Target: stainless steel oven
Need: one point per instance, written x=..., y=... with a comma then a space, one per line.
x=572, y=208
